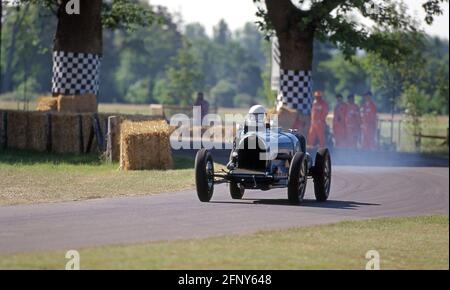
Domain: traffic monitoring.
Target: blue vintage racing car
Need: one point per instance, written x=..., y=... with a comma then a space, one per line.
x=253, y=165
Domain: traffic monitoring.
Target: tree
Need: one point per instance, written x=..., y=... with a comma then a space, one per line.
x=297, y=25
x=27, y=46
x=222, y=33
x=390, y=79
x=415, y=106
x=182, y=79
x=78, y=43
x=223, y=94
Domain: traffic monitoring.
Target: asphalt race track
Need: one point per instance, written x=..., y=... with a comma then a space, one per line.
x=357, y=193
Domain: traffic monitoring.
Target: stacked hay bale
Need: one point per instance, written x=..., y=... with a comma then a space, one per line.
x=37, y=131
x=17, y=127
x=47, y=104
x=114, y=132
x=66, y=137
x=145, y=145
x=86, y=103
x=287, y=118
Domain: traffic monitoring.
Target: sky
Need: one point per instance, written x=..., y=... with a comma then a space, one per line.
x=238, y=12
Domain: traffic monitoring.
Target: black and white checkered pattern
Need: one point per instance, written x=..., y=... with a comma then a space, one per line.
x=75, y=73
x=295, y=90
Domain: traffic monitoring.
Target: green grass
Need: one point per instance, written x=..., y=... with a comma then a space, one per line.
x=403, y=243
x=28, y=177
x=403, y=137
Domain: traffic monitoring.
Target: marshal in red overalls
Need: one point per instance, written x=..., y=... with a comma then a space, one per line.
x=339, y=127
x=319, y=115
x=352, y=122
x=369, y=123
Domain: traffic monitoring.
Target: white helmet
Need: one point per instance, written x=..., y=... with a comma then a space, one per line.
x=257, y=110
x=256, y=115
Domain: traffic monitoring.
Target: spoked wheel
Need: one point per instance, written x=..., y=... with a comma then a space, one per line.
x=204, y=175
x=236, y=191
x=322, y=175
x=298, y=178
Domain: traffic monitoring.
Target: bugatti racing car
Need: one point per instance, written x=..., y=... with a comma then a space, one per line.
x=253, y=165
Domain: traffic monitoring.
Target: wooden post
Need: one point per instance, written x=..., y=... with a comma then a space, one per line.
x=111, y=148
x=98, y=132
x=3, y=128
x=80, y=133
x=48, y=130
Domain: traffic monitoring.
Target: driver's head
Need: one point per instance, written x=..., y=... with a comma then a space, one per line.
x=256, y=115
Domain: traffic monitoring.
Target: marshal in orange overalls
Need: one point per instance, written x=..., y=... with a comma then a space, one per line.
x=353, y=123
x=339, y=127
x=318, y=121
x=369, y=123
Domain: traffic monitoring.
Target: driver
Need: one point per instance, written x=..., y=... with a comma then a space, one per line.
x=256, y=117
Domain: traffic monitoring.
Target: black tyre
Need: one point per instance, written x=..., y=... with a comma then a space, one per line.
x=204, y=175
x=322, y=175
x=298, y=178
x=236, y=191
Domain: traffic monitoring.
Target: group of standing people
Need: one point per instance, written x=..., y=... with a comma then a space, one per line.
x=353, y=126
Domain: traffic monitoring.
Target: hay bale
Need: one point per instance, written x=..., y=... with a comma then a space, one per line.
x=145, y=145
x=37, y=132
x=114, y=140
x=65, y=133
x=17, y=126
x=47, y=104
x=86, y=103
x=287, y=117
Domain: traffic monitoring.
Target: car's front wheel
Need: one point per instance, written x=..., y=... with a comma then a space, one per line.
x=204, y=175
x=322, y=175
x=298, y=178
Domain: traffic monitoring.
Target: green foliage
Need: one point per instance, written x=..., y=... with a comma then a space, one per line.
x=341, y=22
x=183, y=78
x=165, y=63
x=415, y=104
x=138, y=93
x=425, y=68
x=244, y=100
x=128, y=14
x=223, y=94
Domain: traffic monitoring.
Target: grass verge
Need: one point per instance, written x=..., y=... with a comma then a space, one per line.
x=28, y=177
x=403, y=243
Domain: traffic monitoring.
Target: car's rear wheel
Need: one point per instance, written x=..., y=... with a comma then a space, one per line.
x=236, y=191
x=204, y=175
x=298, y=178
x=322, y=175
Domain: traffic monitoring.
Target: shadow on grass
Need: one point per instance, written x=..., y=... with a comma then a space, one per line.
x=19, y=157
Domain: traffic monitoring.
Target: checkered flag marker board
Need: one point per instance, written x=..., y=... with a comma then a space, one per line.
x=295, y=90
x=75, y=73
x=276, y=61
